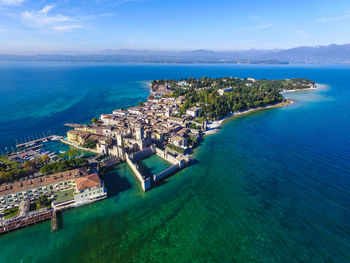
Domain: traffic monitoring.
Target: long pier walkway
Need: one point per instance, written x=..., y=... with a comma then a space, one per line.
x=37, y=140
x=54, y=221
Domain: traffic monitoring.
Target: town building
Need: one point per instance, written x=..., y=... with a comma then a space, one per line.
x=223, y=91
x=89, y=188
x=194, y=111
x=12, y=194
x=178, y=141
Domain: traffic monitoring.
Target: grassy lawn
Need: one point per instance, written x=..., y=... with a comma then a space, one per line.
x=64, y=196
x=11, y=213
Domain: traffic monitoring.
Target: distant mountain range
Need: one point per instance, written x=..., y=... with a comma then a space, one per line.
x=317, y=54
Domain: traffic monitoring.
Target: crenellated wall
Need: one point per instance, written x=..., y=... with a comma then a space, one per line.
x=165, y=173
x=166, y=156
x=144, y=153
x=145, y=182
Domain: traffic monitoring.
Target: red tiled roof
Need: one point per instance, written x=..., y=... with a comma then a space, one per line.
x=87, y=181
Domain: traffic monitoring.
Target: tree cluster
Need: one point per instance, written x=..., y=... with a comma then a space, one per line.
x=64, y=165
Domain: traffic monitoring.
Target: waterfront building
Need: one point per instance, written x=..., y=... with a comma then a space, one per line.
x=12, y=194
x=77, y=136
x=120, y=113
x=89, y=188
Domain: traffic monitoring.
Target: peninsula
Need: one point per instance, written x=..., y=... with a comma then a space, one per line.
x=169, y=124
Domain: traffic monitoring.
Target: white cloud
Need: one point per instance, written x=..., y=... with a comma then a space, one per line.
x=337, y=18
x=303, y=34
x=66, y=28
x=42, y=18
x=11, y=2
x=261, y=23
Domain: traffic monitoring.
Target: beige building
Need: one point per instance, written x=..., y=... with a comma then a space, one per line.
x=12, y=194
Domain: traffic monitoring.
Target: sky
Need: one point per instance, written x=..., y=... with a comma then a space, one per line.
x=77, y=26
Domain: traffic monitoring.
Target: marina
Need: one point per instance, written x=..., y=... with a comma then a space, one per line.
x=44, y=139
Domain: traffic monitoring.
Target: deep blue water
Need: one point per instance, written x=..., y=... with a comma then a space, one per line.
x=272, y=186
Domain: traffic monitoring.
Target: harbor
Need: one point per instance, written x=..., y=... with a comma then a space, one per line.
x=33, y=142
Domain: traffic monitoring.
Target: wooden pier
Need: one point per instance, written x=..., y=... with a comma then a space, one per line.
x=54, y=221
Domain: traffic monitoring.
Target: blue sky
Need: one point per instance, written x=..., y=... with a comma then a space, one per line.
x=40, y=26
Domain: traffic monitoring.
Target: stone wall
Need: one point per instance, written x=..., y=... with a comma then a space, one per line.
x=144, y=153
x=166, y=173
x=145, y=182
x=166, y=156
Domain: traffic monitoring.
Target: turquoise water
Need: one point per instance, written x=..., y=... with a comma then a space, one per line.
x=153, y=165
x=272, y=186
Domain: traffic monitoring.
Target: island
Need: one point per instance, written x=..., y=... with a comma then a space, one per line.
x=170, y=124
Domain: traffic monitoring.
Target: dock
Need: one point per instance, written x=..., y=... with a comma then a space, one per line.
x=54, y=221
x=73, y=125
x=30, y=143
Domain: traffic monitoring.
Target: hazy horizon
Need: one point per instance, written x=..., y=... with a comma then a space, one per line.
x=64, y=26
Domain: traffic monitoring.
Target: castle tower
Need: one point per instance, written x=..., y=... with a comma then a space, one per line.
x=139, y=132
x=119, y=140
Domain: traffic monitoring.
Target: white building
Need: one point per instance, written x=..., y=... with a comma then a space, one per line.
x=222, y=91
x=107, y=119
x=89, y=188
x=194, y=111
x=120, y=113
x=178, y=141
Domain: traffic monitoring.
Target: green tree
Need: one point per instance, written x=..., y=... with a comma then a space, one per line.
x=90, y=144
x=43, y=201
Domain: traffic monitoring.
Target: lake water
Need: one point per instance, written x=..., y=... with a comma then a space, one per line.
x=272, y=186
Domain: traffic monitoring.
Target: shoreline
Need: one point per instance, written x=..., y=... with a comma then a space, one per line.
x=215, y=126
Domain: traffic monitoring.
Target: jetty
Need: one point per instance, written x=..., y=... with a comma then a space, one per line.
x=54, y=221
x=72, y=125
x=30, y=143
